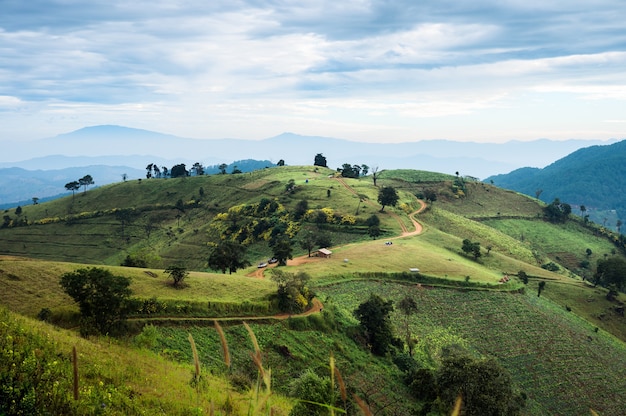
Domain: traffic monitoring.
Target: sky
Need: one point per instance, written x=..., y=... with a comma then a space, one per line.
x=374, y=71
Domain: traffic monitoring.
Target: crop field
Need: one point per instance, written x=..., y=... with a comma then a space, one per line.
x=557, y=359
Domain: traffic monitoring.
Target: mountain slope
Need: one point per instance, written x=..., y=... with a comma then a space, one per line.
x=593, y=176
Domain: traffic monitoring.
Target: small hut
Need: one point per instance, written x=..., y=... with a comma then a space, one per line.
x=324, y=252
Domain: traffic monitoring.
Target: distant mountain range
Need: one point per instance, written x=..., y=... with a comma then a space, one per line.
x=127, y=150
x=593, y=176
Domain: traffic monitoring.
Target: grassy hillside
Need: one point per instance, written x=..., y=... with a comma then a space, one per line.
x=557, y=347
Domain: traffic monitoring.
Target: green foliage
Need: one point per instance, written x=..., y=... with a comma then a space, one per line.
x=177, y=273
x=373, y=316
x=293, y=293
x=282, y=250
x=557, y=212
x=484, y=385
x=228, y=255
x=101, y=296
x=312, y=391
x=387, y=196
x=148, y=337
x=33, y=377
x=611, y=271
x=320, y=160
x=472, y=248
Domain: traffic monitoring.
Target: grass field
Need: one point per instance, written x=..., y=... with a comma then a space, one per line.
x=551, y=353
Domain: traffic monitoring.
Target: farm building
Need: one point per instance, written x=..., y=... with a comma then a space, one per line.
x=324, y=252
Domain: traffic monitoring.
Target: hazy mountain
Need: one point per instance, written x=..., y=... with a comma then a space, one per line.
x=468, y=158
x=593, y=176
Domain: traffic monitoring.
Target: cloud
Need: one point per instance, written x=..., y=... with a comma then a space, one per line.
x=291, y=61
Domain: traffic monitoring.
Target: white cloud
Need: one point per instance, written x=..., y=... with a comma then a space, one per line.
x=284, y=64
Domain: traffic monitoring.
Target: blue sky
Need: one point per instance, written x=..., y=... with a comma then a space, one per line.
x=377, y=71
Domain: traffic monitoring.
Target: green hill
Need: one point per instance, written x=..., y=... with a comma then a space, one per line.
x=592, y=177
x=562, y=349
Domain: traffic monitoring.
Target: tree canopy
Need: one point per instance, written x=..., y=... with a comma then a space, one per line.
x=228, y=255
x=101, y=296
x=374, y=317
x=320, y=160
x=387, y=196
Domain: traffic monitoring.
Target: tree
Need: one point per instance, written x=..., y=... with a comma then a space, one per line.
x=124, y=176
x=541, y=287
x=282, y=250
x=281, y=162
x=618, y=226
x=198, y=169
x=85, y=181
x=101, y=296
x=471, y=248
x=484, y=385
x=18, y=210
x=307, y=242
x=557, y=211
x=320, y=160
x=611, y=271
x=35, y=200
x=149, y=170
x=72, y=186
x=408, y=307
x=236, y=170
x=179, y=170
x=387, y=196
x=375, y=174
x=177, y=273
x=583, y=209
x=364, y=170
x=375, y=323
x=293, y=293
x=222, y=167
x=228, y=255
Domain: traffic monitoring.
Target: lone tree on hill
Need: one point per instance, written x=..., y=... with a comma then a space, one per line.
x=387, y=196
x=373, y=316
x=320, y=160
x=177, y=273
x=101, y=296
